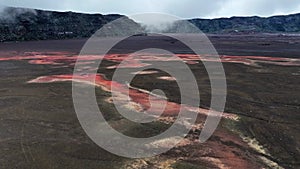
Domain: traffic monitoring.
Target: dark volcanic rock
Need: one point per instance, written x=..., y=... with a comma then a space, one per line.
x=17, y=24
x=246, y=25
x=275, y=24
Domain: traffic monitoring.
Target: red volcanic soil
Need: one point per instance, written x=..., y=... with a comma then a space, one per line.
x=133, y=61
x=140, y=97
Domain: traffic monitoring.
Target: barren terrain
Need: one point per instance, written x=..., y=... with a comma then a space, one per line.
x=259, y=128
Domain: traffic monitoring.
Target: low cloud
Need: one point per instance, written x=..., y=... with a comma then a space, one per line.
x=9, y=14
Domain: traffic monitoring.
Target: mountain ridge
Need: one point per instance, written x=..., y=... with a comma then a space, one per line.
x=22, y=24
x=253, y=24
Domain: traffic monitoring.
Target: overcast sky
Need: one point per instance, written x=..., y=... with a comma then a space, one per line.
x=180, y=8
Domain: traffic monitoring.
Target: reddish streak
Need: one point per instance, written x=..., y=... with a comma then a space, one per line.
x=136, y=96
x=134, y=61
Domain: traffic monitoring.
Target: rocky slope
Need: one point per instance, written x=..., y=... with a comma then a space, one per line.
x=255, y=24
x=17, y=24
